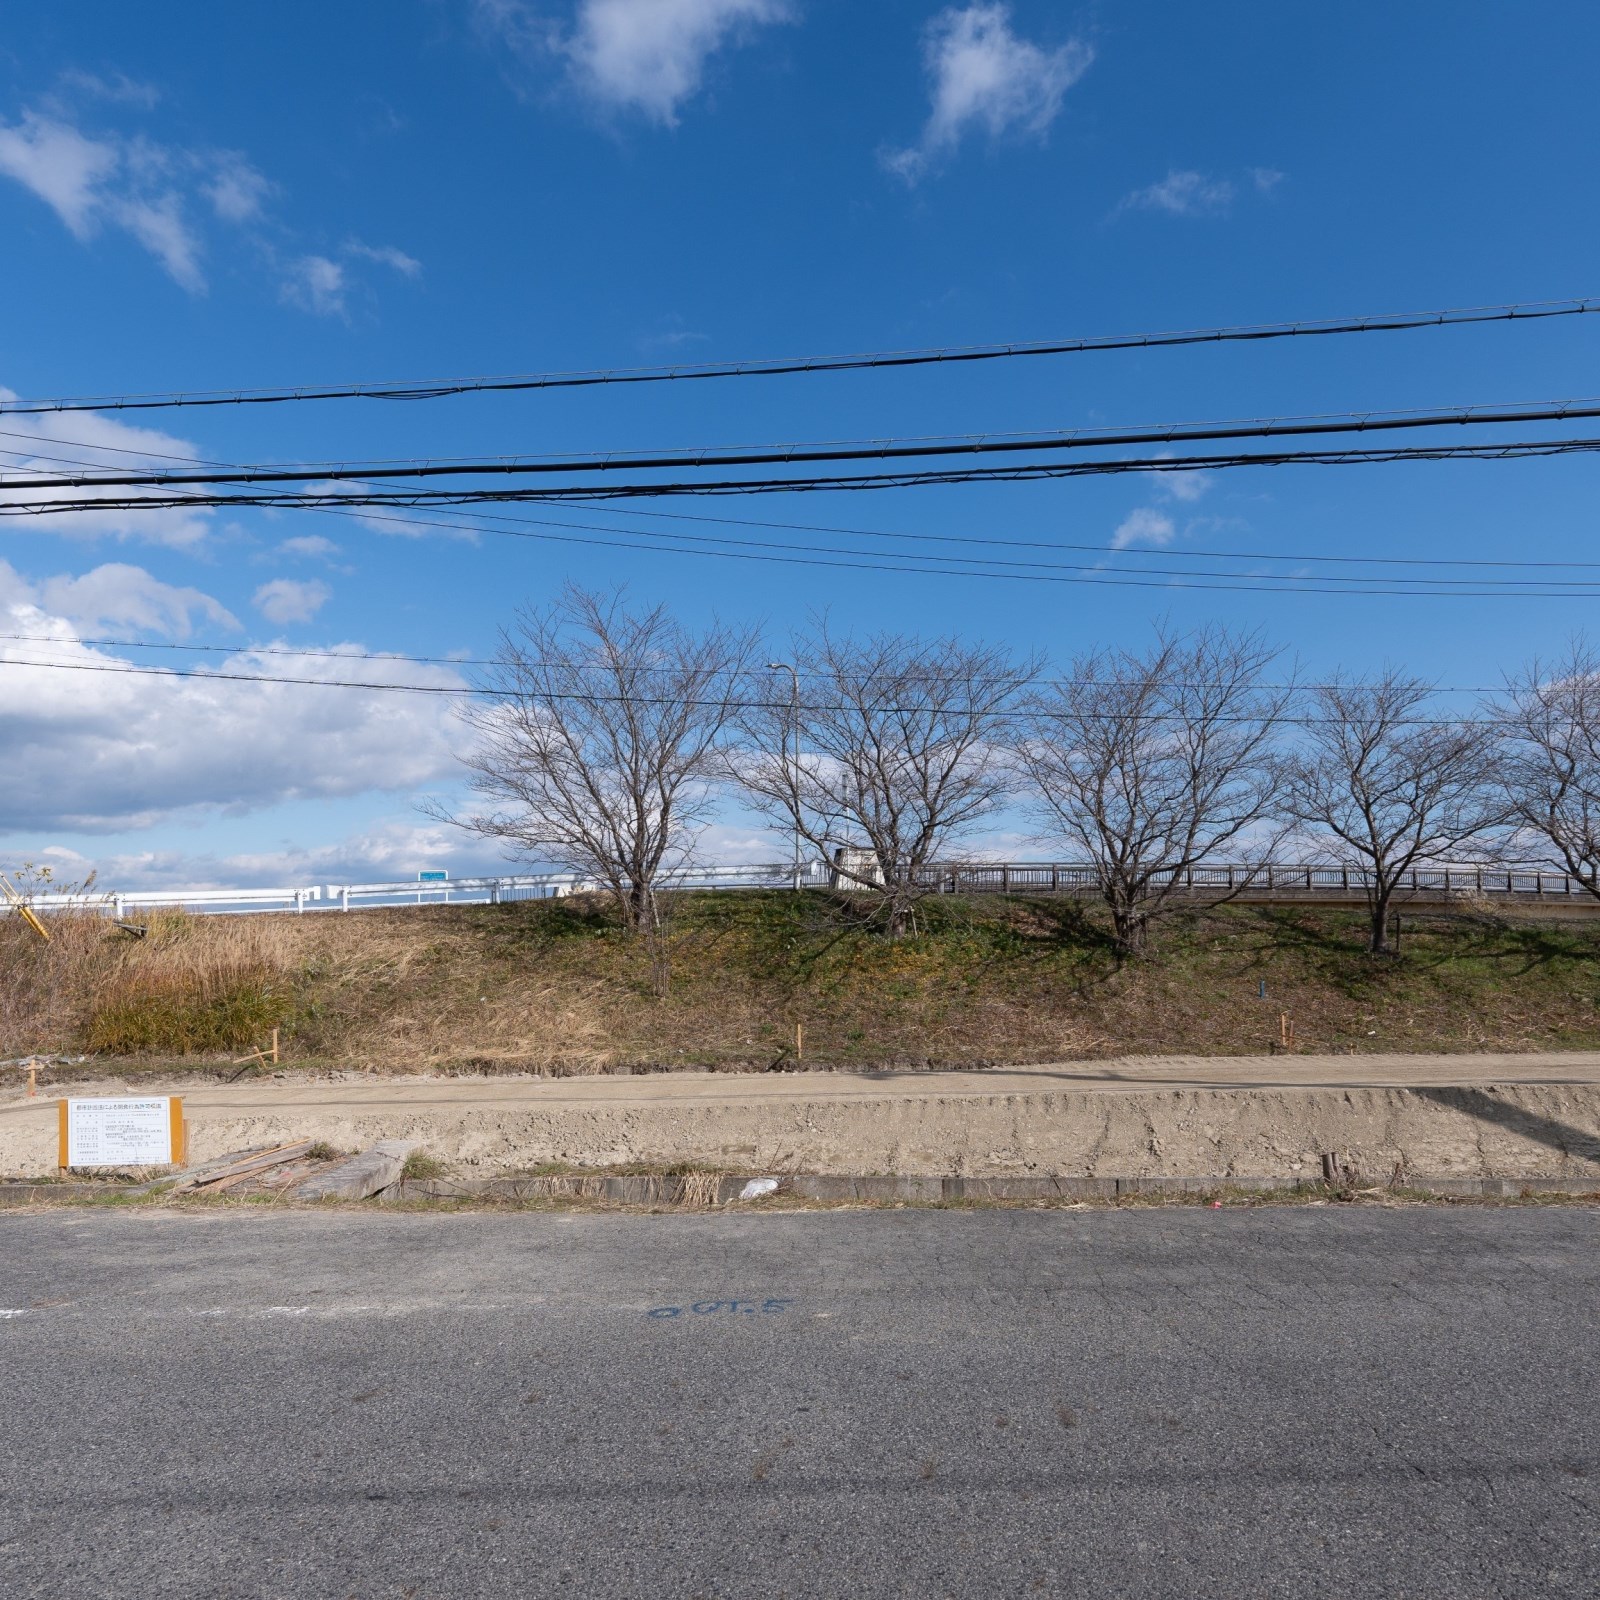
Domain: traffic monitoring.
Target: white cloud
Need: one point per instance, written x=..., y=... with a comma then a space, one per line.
x=385, y=255
x=131, y=183
x=60, y=166
x=320, y=284
x=1183, y=194
x=290, y=600
x=235, y=189
x=647, y=56
x=160, y=227
x=123, y=596
x=650, y=54
x=57, y=445
x=394, y=521
x=88, y=182
x=311, y=545
x=389, y=850
x=153, y=192
x=984, y=77
x=1144, y=526
x=316, y=284
x=1186, y=484
x=104, y=750
x=119, y=89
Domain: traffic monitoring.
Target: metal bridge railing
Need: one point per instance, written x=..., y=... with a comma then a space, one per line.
x=963, y=877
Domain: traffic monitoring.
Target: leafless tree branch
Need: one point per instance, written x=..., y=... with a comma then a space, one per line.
x=1150, y=763
x=1388, y=786
x=600, y=753
x=1549, y=719
x=892, y=754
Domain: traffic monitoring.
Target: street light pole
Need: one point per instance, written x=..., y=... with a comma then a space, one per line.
x=794, y=731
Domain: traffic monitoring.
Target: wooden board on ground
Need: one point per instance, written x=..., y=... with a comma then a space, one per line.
x=243, y=1164
x=362, y=1175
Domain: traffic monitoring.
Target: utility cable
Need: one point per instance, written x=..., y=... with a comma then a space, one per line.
x=783, y=704
x=880, y=533
x=887, y=449
x=599, y=666
x=780, y=366
x=1500, y=450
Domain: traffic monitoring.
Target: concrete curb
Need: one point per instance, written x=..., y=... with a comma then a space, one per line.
x=663, y=1190
x=650, y=1190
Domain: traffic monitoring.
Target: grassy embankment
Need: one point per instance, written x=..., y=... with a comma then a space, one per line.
x=556, y=986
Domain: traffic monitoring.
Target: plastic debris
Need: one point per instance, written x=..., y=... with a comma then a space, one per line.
x=757, y=1187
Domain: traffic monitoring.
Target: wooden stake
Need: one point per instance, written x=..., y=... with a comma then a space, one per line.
x=799, y=1041
x=22, y=908
x=33, y=1079
x=274, y=1047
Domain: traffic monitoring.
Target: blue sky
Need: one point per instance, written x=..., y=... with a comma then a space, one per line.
x=217, y=197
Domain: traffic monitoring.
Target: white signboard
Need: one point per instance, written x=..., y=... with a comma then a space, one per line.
x=122, y=1133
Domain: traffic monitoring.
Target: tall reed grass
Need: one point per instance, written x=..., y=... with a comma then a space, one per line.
x=191, y=985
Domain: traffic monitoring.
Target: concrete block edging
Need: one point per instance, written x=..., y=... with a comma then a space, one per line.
x=677, y=1190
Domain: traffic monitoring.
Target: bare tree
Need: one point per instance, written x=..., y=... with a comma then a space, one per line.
x=887, y=757
x=597, y=740
x=1549, y=720
x=1388, y=785
x=1152, y=763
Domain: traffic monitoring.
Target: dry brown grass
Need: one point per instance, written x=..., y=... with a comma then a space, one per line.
x=192, y=984
x=556, y=987
x=699, y=1190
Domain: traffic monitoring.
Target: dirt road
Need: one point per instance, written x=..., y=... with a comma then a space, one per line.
x=1255, y=1116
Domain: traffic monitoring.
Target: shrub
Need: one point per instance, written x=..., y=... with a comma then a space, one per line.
x=186, y=1012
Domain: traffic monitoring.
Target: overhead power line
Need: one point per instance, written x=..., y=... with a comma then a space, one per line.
x=759, y=673
x=781, y=366
x=986, y=542
x=892, y=562
x=1263, y=583
x=311, y=499
x=1188, y=552
x=887, y=449
x=895, y=561
x=783, y=703
x=978, y=565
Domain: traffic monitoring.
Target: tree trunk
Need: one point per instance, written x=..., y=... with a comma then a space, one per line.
x=1378, y=942
x=1130, y=928
x=639, y=907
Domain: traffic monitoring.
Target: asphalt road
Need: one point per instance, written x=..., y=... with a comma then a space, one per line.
x=1308, y=1402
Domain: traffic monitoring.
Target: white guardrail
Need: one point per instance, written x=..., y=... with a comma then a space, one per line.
x=980, y=877
x=460, y=891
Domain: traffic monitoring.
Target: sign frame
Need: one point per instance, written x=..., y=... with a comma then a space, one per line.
x=177, y=1131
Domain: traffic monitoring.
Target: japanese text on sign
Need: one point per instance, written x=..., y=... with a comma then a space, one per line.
x=121, y=1133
